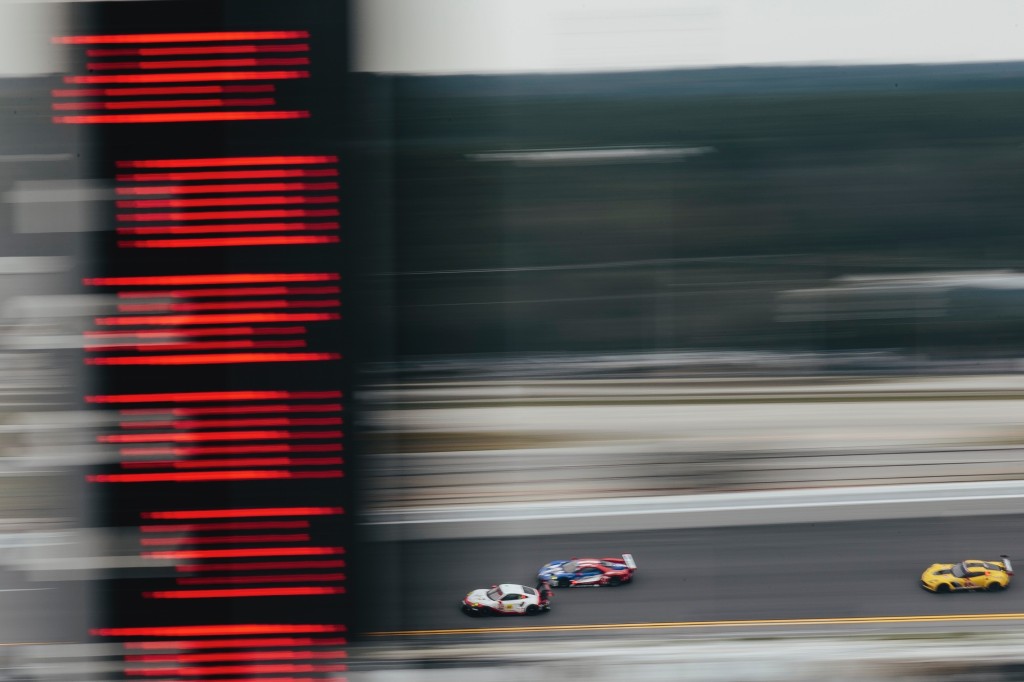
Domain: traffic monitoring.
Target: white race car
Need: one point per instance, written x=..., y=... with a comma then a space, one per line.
x=506, y=598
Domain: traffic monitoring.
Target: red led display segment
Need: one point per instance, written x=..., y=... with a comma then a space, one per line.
x=295, y=438
x=216, y=358
x=258, y=198
x=205, y=542
x=149, y=77
x=160, y=324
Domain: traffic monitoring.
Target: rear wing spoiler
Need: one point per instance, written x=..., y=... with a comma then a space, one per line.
x=1007, y=564
x=628, y=560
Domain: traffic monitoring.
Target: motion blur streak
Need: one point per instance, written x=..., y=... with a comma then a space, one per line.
x=236, y=643
x=206, y=49
x=162, y=90
x=241, y=475
x=259, y=566
x=220, y=162
x=236, y=553
x=242, y=513
x=212, y=396
x=196, y=63
x=179, y=37
x=171, y=280
x=227, y=241
x=248, y=656
x=184, y=117
x=216, y=630
x=243, y=592
x=162, y=104
x=711, y=624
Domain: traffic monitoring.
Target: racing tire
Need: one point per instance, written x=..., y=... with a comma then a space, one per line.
x=995, y=587
x=532, y=610
x=942, y=589
x=614, y=581
x=562, y=582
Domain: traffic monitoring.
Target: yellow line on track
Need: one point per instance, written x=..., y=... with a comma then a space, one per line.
x=711, y=624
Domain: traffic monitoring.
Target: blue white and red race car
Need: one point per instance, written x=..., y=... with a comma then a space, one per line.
x=578, y=572
x=505, y=599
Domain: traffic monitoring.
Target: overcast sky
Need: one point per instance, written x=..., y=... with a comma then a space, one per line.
x=495, y=36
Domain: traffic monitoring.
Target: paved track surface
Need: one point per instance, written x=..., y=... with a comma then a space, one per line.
x=810, y=570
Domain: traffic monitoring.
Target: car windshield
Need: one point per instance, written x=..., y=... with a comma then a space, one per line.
x=570, y=566
x=959, y=571
x=494, y=594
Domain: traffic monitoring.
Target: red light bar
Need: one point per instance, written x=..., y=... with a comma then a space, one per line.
x=236, y=656
x=198, y=63
x=234, y=593
x=226, y=201
x=233, y=423
x=224, y=241
x=163, y=90
x=207, y=49
x=228, y=525
x=183, y=117
x=230, y=450
x=236, y=187
x=165, y=104
x=266, y=304
x=227, y=229
x=226, y=161
x=245, y=579
x=177, y=437
x=187, y=77
x=186, y=176
x=233, y=215
x=204, y=331
x=260, y=565
x=212, y=279
x=246, y=643
x=242, y=513
x=238, y=553
x=246, y=291
x=201, y=476
x=214, y=359
x=179, y=320
x=211, y=396
x=212, y=36
x=216, y=630
x=222, y=463
x=199, y=345
x=237, y=409
x=225, y=539
x=247, y=669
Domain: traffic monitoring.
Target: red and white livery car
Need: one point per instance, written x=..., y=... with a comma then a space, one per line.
x=504, y=599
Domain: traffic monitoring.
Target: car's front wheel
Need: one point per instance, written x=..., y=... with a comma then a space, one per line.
x=942, y=589
x=532, y=610
x=563, y=582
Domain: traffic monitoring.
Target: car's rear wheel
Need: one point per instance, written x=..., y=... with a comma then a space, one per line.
x=532, y=610
x=995, y=586
x=942, y=589
x=614, y=581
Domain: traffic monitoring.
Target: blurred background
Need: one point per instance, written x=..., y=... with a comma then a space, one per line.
x=733, y=286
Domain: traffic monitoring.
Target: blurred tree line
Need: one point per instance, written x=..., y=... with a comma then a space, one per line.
x=813, y=174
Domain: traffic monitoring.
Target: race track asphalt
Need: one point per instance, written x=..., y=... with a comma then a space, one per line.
x=863, y=569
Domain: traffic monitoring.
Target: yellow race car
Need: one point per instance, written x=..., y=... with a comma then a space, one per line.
x=968, y=575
